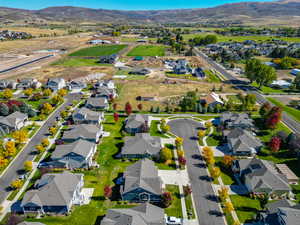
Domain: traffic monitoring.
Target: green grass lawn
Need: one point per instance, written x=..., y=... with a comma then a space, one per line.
x=211, y=77
x=154, y=129
x=182, y=76
x=226, y=173
x=295, y=113
x=245, y=207
x=266, y=89
x=100, y=50
x=148, y=50
x=214, y=139
x=189, y=207
x=77, y=62
x=175, y=208
x=110, y=169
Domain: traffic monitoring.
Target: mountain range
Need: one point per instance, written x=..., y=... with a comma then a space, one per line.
x=286, y=12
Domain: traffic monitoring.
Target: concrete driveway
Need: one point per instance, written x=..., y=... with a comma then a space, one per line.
x=177, y=177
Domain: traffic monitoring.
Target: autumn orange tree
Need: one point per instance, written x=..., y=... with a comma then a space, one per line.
x=223, y=193
x=20, y=136
x=227, y=160
x=9, y=149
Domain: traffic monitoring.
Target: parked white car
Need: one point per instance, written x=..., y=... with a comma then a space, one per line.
x=170, y=220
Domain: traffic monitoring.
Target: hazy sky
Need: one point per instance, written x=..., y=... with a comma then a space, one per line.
x=117, y=4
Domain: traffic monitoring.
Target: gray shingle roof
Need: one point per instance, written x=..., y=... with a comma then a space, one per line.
x=292, y=215
x=97, y=102
x=262, y=174
x=273, y=207
x=11, y=120
x=80, y=147
x=136, y=121
x=236, y=119
x=142, y=143
x=87, y=113
x=53, y=189
x=143, y=174
x=242, y=140
x=144, y=214
x=85, y=131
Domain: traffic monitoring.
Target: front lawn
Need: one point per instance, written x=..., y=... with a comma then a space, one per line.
x=214, y=139
x=212, y=77
x=295, y=113
x=154, y=129
x=245, y=207
x=175, y=208
x=226, y=173
x=189, y=207
x=100, y=50
x=148, y=50
x=266, y=89
x=77, y=62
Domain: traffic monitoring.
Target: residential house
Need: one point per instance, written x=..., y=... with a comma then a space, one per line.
x=142, y=71
x=109, y=59
x=137, y=123
x=182, y=67
x=281, y=84
x=282, y=212
x=56, y=84
x=260, y=176
x=4, y=84
x=98, y=103
x=86, y=116
x=142, y=183
x=76, y=155
x=295, y=72
x=76, y=85
x=105, y=93
x=28, y=83
x=288, y=173
x=229, y=120
x=144, y=214
x=12, y=122
x=142, y=145
x=54, y=193
x=212, y=100
x=242, y=142
x=88, y=132
x=105, y=83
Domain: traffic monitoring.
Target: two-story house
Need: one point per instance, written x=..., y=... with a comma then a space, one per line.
x=76, y=155
x=56, y=84
x=86, y=116
x=97, y=104
x=12, y=122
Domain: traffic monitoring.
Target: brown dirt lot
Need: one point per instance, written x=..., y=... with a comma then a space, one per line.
x=129, y=90
x=35, y=31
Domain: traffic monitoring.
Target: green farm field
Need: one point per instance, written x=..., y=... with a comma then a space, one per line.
x=148, y=50
x=100, y=50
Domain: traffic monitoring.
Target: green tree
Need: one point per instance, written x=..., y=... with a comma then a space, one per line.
x=165, y=154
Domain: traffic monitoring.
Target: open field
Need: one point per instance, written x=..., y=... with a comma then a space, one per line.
x=222, y=38
x=100, y=50
x=35, y=31
x=128, y=91
x=77, y=62
x=147, y=50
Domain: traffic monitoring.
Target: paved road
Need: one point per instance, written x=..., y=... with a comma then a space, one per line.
x=207, y=208
x=27, y=154
x=288, y=120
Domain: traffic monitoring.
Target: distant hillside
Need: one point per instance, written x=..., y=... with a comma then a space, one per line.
x=280, y=12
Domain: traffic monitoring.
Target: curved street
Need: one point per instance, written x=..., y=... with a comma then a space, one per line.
x=207, y=208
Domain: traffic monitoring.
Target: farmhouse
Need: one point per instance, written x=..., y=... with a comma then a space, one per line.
x=142, y=183
x=144, y=214
x=54, y=193
x=142, y=145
